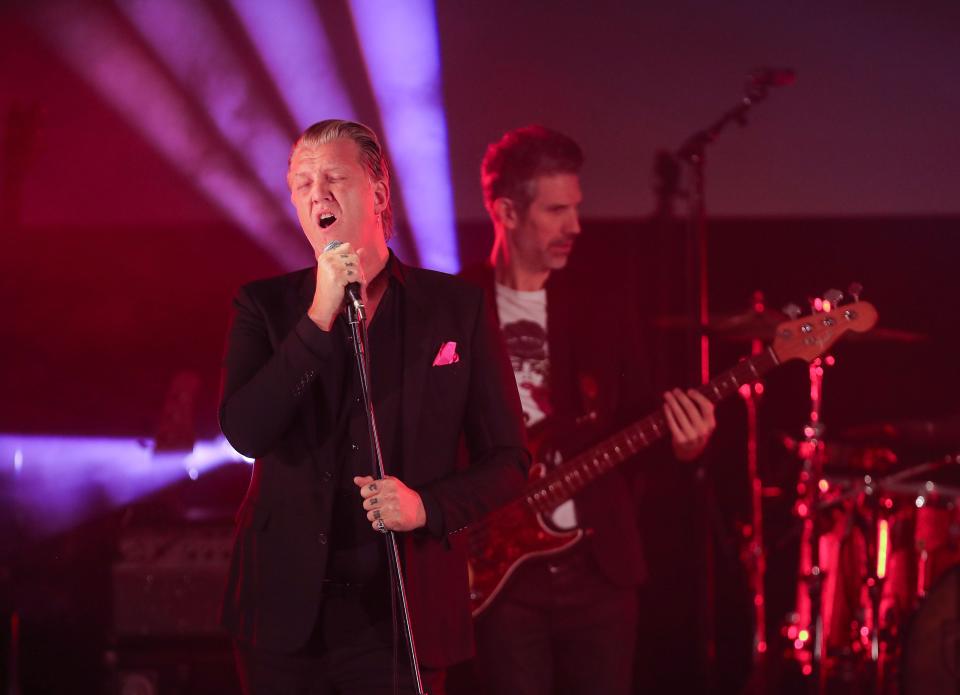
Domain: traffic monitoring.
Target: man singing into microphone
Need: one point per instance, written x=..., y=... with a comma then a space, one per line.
x=308, y=599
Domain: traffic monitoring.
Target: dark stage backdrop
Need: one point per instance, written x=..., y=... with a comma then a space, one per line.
x=866, y=130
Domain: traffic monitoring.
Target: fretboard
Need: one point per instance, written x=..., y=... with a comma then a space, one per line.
x=569, y=477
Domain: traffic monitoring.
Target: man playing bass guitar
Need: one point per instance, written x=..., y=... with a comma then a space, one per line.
x=568, y=620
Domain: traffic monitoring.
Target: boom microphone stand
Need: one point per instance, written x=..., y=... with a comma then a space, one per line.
x=357, y=318
x=693, y=153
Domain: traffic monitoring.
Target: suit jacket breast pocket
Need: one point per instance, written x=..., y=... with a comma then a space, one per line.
x=447, y=386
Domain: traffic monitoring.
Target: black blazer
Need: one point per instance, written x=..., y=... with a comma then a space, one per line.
x=599, y=362
x=275, y=406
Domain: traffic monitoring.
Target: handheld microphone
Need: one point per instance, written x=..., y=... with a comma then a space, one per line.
x=352, y=291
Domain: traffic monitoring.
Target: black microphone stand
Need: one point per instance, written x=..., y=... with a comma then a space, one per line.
x=693, y=153
x=357, y=318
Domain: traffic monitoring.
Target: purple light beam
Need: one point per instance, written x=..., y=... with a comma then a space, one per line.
x=57, y=481
x=292, y=42
x=401, y=51
x=210, y=70
x=97, y=45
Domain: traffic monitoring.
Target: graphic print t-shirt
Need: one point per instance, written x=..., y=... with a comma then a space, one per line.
x=523, y=320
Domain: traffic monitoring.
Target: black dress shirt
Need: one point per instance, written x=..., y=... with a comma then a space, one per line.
x=358, y=553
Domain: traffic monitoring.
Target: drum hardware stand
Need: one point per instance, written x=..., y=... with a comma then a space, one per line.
x=875, y=529
x=755, y=557
x=876, y=535
x=867, y=516
x=807, y=630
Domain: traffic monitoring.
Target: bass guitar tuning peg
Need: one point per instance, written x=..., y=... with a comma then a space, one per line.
x=834, y=296
x=792, y=310
x=854, y=290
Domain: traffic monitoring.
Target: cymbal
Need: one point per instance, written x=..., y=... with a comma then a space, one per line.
x=845, y=459
x=887, y=335
x=748, y=325
x=762, y=325
x=941, y=432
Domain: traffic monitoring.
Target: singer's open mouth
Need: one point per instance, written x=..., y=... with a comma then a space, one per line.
x=326, y=219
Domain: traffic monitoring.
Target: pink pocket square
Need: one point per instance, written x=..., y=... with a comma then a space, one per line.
x=447, y=355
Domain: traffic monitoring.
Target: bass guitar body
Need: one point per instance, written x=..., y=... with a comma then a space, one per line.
x=504, y=541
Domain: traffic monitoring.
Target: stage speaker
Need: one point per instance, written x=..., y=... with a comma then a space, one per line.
x=182, y=666
x=168, y=581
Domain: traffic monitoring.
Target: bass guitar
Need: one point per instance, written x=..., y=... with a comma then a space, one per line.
x=516, y=532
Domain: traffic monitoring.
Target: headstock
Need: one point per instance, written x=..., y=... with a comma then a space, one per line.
x=811, y=336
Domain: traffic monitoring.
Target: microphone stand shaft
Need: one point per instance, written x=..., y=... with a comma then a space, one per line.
x=356, y=317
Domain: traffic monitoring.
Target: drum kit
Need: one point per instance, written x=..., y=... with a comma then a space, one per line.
x=879, y=546
x=877, y=605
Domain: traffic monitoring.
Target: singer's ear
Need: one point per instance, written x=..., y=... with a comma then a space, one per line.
x=381, y=196
x=504, y=212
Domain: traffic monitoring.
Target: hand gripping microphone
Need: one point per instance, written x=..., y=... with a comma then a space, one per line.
x=352, y=291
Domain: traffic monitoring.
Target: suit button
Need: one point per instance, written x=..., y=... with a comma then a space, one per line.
x=326, y=477
x=355, y=446
x=322, y=538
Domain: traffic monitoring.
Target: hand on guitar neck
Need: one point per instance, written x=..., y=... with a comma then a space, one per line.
x=691, y=421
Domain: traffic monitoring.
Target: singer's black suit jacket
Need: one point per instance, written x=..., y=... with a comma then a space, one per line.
x=275, y=406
